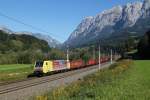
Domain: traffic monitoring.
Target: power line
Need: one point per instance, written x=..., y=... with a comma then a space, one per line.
x=25, y=24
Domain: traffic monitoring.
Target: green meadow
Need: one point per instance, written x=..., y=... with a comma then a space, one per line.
x=125, y=80
x=12, y=72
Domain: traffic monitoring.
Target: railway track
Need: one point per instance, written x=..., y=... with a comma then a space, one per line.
x=40, y=81
x=28, y=88
x=16, y=81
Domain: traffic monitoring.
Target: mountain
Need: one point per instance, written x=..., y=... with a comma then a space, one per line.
x=20, y=42
x=21, y=48
x=117, y=22
x=5, y=29
x=51, y=42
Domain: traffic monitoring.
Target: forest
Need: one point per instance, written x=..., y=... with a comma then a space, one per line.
x=25, y=49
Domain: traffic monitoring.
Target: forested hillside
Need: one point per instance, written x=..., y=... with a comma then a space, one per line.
x=22, y=49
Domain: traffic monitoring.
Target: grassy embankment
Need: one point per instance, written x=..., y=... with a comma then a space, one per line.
x=14, y=72
x=126, y=80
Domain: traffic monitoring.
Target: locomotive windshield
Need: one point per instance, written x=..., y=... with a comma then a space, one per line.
x=39, y=64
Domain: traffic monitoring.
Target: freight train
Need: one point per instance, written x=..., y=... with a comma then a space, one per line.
x=44, y=67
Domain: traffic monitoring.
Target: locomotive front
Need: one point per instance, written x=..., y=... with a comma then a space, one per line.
x=38, y=68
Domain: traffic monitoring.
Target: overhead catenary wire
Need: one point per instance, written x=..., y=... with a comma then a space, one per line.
x=28, y=25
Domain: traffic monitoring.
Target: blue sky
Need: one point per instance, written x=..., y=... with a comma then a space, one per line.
x=58, y=17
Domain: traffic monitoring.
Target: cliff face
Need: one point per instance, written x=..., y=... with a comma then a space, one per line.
x=111, y=22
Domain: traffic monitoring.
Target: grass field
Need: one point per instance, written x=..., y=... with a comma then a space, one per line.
x=14, y=72
x=125, y=80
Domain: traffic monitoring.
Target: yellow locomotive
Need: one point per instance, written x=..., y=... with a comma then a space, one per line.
x=42, y=67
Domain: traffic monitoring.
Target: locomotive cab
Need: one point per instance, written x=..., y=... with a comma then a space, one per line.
x=42, y=67
x=38, y=68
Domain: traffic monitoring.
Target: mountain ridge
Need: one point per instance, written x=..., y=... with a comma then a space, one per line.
x=110, y=22
x=51, y=42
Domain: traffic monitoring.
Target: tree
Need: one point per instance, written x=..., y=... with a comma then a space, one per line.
x=144, y=46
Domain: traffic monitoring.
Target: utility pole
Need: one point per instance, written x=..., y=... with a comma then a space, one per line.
x=68, y=63
x=99, y=58
x=111, y=57
x=94, y=52
x=67, y=54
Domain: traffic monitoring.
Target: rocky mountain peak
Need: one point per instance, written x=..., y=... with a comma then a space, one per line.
x=146, y=4
x=131, y=13
x=83, y=26
x=146, y=8
x=110, y=22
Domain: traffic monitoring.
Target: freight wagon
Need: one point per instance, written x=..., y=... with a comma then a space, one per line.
x=91, y=62
x=77, y=64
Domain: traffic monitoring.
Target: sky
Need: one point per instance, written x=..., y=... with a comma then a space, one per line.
x=58, y=18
